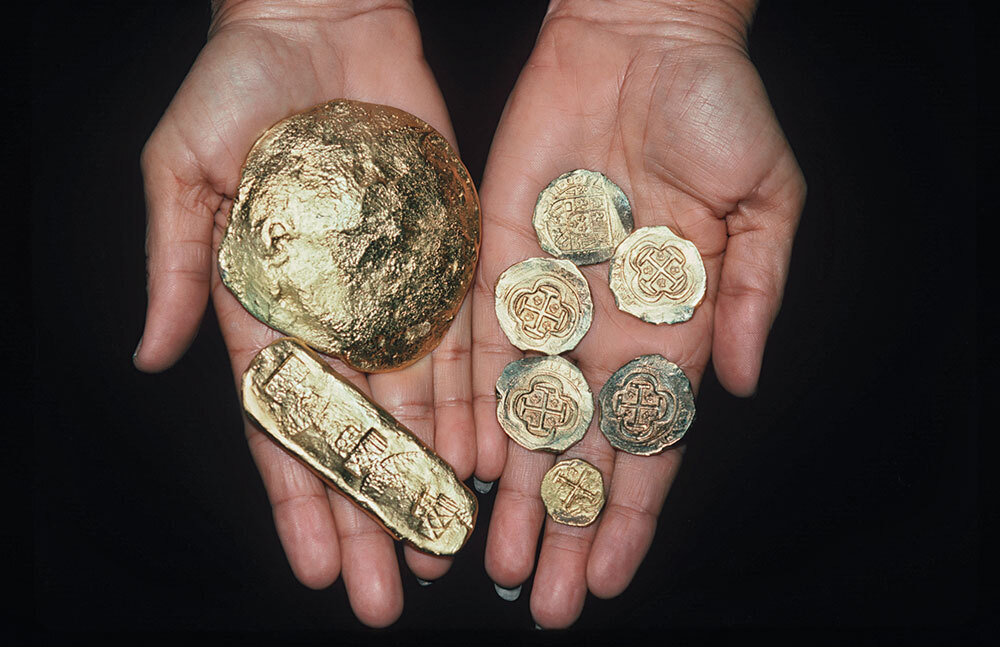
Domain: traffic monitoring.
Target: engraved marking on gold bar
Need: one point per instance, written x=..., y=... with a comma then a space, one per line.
x=357, y=447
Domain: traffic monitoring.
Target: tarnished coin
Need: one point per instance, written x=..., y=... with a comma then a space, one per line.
x=646, y=405
x=573, y=492
x=544, y=403
x=582, y=216
x=544, y=304
x=355, y=228
x=353, y=444
x=657, y=276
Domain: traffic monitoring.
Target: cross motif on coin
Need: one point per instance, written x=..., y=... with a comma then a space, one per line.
x=639, y=404
x=542, y=312
x=543, y=408
x=661, y=271
x=575, y=489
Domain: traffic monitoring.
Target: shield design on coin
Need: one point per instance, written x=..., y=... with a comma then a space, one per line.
x=579, y=218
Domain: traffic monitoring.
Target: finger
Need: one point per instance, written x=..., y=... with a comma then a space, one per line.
x=517, y=517
x=408, y=395
x=180, y=208
x=560, y=585
x=454, y=426
x=628, y=521
x=754, y=272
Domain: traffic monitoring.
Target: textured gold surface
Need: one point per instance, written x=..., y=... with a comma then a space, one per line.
x=544, y=403
x=355, y=446
x=355, y=228
x=573, y=492
x=543, y=304
x=657, y=276
x=582, y=216
x=646, y=405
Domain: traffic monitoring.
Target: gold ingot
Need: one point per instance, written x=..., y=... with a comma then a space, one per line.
x=544, y=403
x=582, y=216
x=355, y=446
x=657, y=276
x=543, y=304
x=573, y=492
x=355, y=228
x=646, y=406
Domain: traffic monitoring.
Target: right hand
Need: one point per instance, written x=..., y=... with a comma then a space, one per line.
x=261, y=64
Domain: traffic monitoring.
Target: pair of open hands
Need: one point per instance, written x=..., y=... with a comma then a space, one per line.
x=659, y=96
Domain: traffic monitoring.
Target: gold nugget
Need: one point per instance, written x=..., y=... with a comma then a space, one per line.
x=543, y=304
x=582, y=216
x=355, y=446
x=355, y=228
x=573, y=492
x=657, y=276
x=544, y=403
x=646, y=406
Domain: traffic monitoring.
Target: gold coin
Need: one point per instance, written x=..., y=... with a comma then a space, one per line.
x=646, y=406
x=355, y=228
x=543, y=304
x=573, y=492
x=544, y=403
x=657, y=276
x=354, y=445
x=582, y=216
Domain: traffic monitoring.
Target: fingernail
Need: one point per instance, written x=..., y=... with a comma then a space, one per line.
x=507, y=594
x=423, y=582
x=135, y=353
x=482, y=487
x=538, y=626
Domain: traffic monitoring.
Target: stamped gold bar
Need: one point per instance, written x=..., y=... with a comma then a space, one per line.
x=357, y=447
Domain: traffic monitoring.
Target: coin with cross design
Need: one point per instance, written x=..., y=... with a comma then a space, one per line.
x=657, y=276
x=544, y=304
x=646, y=406
x=573, y=492
x=544, y=403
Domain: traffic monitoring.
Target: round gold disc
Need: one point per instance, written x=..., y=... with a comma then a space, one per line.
x=582, y=216
x=544, y=304
x=573, y=492
x=544, y=403
x=646, y=405
x=657, y=276
x=355, y=228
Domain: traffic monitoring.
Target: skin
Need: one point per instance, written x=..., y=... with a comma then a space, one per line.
x=665, y=102
x=662, y=100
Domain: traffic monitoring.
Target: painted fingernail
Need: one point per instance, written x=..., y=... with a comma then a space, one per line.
x=424, y=582
x=507, y=594
x=135, y=353
x=482, y=487
x=538, y=626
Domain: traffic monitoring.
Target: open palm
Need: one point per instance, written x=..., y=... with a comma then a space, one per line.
x=259, y=66
x=675, y=114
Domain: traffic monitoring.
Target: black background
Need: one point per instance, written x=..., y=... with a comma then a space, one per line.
x=843, y=495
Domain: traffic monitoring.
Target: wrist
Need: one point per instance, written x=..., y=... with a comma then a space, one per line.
x=710, y=21
x=227, y=12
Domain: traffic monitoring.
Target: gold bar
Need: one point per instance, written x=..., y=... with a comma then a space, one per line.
x=357, y=447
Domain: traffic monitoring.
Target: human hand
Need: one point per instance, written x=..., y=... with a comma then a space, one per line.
x=664, y=101
x=261, y=64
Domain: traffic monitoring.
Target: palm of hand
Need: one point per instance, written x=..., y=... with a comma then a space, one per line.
x=687, y=132
x=251, y=74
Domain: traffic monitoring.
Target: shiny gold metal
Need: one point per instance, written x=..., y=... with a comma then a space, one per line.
x=544, y=403
x=543, y=304
x=582, y=216
x=354, y=445
x=573, y=492
x=657, y=276
x=355, y=228
x=646, y=405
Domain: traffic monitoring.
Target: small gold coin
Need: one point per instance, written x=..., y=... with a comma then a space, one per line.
x=657, y=276
x=544, y=403
x=573, y=492
x=582, y=216
x=354, y=445
x=646, y=406
x=355, y=228
x=543, y=304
